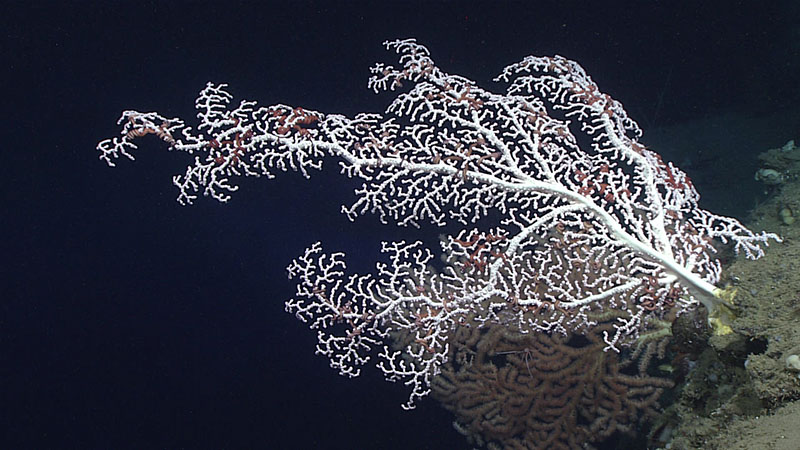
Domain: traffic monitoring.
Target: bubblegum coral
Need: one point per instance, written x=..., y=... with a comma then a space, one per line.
x=588, y=223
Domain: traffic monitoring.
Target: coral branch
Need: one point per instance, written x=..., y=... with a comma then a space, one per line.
x=591, y=221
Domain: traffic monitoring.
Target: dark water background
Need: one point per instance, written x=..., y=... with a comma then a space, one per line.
x=127, y=320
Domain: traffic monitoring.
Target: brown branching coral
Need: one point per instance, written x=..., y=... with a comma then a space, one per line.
x=541, y=391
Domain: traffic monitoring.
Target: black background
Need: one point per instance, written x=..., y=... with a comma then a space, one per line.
x=127, y=320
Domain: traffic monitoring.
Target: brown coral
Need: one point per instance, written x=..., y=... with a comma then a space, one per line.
x=534, y=391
